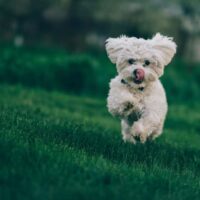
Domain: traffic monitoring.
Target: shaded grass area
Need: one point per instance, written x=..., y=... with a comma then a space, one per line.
x=58, y=146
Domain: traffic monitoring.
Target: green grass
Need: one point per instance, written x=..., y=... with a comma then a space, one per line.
x=59, y=146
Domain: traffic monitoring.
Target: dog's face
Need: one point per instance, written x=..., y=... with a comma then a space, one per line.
x=140, y=61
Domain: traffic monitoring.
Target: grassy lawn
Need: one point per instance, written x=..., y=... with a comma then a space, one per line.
x=58, y=146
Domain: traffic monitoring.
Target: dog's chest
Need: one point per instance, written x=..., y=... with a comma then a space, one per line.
x=139, y=99
x=139, y=95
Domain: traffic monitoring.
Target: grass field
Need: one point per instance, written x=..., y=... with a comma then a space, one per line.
x=59, y=146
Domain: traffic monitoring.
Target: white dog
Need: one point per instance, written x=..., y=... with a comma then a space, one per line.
x=136, y=94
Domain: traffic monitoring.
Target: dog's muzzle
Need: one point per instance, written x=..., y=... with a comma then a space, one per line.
x=138, y=76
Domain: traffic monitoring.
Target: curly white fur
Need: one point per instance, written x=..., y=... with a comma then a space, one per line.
x=141, y=106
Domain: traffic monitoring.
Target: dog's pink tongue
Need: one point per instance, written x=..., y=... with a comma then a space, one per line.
x=139, y=75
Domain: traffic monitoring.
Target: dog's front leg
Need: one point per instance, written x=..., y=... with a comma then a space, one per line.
x=120, y=102
x=145, y=126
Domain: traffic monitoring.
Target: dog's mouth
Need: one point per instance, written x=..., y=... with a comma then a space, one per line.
x=138, y=76
x=137, y=81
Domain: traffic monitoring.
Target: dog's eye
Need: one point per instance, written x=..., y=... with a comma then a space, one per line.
x=147, y=62
x=131, y=61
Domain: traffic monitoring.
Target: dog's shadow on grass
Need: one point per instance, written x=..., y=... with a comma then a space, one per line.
x=98, y=141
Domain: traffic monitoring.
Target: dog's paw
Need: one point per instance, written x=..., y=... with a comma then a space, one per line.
x=127, y=108
x=139, y=133
x=129, y=138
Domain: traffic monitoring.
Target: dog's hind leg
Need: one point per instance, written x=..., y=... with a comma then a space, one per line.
x=156, y=132
x=126, y=132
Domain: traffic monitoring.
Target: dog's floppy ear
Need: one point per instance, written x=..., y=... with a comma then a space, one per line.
x=114, y=46
x=164, y=48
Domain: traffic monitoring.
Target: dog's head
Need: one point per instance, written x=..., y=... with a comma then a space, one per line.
x=140, y=61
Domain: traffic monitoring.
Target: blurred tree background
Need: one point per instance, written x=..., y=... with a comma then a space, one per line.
x=85, y=24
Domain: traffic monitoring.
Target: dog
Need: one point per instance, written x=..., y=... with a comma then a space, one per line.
x=136, y=94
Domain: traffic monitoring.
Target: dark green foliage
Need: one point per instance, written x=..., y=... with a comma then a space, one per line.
x=84, y=74
x=181, y=81
x=49, y=69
